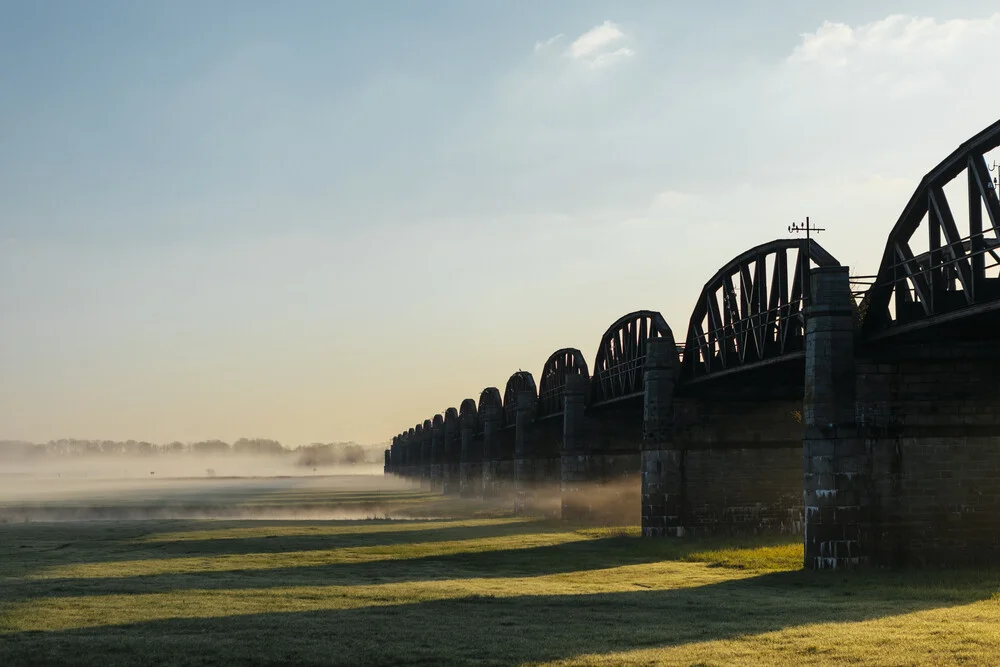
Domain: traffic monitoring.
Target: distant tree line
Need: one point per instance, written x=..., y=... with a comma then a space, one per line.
x=311, y=455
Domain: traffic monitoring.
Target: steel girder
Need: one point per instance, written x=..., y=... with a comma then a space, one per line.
x=753, y=309
x=560, y=365
x=621, y=356
x=518, y=382
x=913, y=291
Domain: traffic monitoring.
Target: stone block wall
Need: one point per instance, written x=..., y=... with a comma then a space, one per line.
x=471, y=466
x=742, y=457
x=498, y=469
x=930, y=417
x=607, y=474
x=537, y=470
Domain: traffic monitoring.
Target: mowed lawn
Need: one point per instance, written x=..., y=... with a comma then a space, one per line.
x=472, y=588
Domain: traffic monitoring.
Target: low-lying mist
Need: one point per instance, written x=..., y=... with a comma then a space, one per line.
x=79, y=480
x=186, y=465
x=245, y=489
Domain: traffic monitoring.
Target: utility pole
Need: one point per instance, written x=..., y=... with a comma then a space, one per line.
x=794, y=228
x=799, y=227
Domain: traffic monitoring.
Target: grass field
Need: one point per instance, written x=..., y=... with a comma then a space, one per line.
x=470, y=586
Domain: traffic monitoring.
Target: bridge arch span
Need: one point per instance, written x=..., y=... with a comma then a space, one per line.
x=752, y=311
x=469, y=414
x=953, y=273
x=621, y=355
x=560, y=365
x=490, y=405
x=518, y=382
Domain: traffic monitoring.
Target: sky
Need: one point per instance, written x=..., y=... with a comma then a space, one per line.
x=319, y=221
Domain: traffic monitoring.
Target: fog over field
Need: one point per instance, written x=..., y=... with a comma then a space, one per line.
x=72, y=480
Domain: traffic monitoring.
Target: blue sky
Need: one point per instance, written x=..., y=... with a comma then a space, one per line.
x=331, y=220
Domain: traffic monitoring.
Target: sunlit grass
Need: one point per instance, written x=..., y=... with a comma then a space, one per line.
x=967, y=634
x=778, y=557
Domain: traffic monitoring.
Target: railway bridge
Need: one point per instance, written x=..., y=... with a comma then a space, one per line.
x=868, y=421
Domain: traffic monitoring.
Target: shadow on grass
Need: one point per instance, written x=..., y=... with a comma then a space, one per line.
x=497, y=630
x=587, y=554
x=113, y=548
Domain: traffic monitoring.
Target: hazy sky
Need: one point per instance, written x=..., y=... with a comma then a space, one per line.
x=330, y=220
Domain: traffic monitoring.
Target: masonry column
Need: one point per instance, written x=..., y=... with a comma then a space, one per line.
x=452, y=452
x=394, y=455
x=471, y=484
x=410, y=456
x=834, y=456
x=574, y=462
x=490, y=417
x=662, y=459
x=425, y=455
x=437, y=453
x=525, y=459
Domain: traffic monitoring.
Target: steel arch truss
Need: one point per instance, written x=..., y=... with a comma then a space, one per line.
x=621, y=355
x=490, y=405
x=518, y=382
x=917, y=289
x=469, y=415
x=561, y=365
x=753, y=309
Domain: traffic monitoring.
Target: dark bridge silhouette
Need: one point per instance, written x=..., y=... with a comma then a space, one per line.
x=869, y=423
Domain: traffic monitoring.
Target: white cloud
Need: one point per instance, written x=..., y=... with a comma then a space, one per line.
x=893, y=38
x=595, y=40
x=829, y=43
x=882, y=68
x=545, y=44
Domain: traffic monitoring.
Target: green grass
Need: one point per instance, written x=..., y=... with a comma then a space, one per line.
x=463, y=590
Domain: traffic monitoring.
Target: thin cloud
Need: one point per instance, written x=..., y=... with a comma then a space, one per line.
x=544, y=44
x=594, y=40
x=605, y=58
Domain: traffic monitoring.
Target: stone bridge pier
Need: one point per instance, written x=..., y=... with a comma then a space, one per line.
x=452, y=453
x=471, y=454
x=498, y=446
x=426, y=462
x=575, y=469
